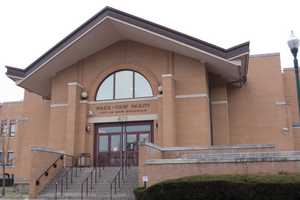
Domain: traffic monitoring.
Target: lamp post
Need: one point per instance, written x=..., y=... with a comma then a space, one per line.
x=293, y=43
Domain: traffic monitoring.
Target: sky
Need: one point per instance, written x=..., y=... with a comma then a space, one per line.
x=29, y=28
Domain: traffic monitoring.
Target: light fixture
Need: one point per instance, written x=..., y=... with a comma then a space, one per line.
x=160, y=90
x=293, y=43
x=88, y=128
x=91, y=113
x=84, y=95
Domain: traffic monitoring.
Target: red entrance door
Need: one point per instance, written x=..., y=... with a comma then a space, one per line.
x=114, y=140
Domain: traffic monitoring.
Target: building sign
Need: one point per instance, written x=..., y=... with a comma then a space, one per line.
x=126, y=108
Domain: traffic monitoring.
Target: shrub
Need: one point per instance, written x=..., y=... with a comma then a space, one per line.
x=139, y=192
x=230, y=187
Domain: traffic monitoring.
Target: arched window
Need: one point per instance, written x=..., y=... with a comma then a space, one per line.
x=124, y=84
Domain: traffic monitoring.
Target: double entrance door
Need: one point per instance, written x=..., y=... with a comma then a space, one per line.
x=114, y=141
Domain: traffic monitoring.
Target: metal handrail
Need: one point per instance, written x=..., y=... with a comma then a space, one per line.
x=116, y=181
x=46, y=172
x=87, y=183
x=66, y=178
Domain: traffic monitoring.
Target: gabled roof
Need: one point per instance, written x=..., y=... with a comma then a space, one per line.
x=111, y=25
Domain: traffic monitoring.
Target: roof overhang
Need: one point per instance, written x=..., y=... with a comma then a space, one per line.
x=110, y=26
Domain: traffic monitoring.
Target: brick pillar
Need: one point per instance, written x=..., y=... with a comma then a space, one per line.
x=83, y=134
x=72, y=123
x=168, y=111
x=220, y=115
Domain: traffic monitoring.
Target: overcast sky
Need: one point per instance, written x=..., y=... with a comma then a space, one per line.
x=29, y=28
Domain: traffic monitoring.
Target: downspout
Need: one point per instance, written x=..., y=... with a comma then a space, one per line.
x=210, y=113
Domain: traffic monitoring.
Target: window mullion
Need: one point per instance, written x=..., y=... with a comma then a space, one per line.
x=133, y=85
x=114, y=86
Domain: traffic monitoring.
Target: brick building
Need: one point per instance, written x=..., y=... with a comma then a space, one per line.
x=119, y=80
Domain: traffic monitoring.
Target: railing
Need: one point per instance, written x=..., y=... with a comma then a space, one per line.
x=46, y=172
x=66, y=179
x=87, y=185
x=89, y=181
x=116, y=181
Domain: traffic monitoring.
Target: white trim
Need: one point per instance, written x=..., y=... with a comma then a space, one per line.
x=84, y=101
x=112, y=18
x=11, y=102
x=19, y=81
x=219, y=102
x=47, y=150
x=58, y=105
x=76, y=84
x=175, y=41
x=166, y=75
x=122, y=100
x=237, y=61
x=93, y=120
x=10, y=166
x=21, y=119
x=265, y=55
x=9, y=151
x=191, y=96
x=238, y=56
x=281, y=103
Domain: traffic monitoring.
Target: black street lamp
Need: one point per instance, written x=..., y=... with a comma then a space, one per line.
x=293, y=43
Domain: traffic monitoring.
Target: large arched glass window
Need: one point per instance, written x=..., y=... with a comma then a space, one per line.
x=124, y=84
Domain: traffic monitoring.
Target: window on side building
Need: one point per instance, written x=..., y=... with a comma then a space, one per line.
x=12, y=128
x=10, y=158
x=124, y=84
x=3, y=127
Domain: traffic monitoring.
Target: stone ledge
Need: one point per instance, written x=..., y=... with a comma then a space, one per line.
x=232, y=158
x=220, y=147
x=47, y=150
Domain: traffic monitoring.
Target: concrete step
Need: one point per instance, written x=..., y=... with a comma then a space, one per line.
x=81, y=175
x=101, y=189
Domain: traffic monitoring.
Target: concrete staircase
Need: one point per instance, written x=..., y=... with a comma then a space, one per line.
x=101, y=190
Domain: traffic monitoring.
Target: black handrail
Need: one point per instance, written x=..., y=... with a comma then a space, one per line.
x=87, y=183
x=119, y=174
x=46, y=172
x=116, y=181
x=67, y=177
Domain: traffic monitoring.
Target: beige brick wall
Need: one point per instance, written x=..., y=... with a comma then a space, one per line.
x=162, y=172
x=254, y=113
x=33, y=131
x=220, y=115
x=290, y=92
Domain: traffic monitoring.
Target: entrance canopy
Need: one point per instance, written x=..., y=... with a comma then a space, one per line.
x=110, y=26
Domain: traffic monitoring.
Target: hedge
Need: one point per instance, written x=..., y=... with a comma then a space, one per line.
x=227, y=187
